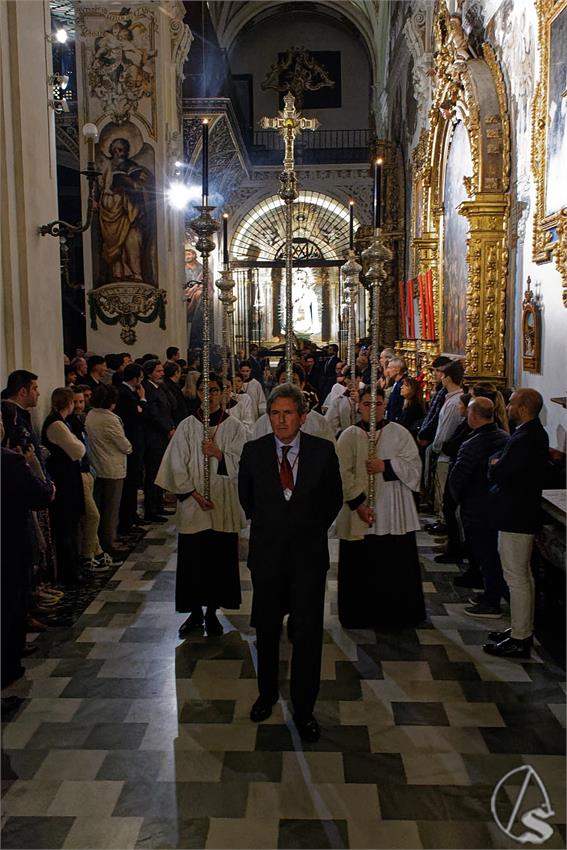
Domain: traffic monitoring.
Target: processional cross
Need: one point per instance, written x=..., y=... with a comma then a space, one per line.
x=290, y=123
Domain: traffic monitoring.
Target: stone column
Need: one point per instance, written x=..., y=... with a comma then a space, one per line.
x=129, y=68
x=32, y=332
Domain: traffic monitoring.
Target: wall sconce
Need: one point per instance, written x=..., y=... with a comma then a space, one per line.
x=63, y=228
x=60, y=80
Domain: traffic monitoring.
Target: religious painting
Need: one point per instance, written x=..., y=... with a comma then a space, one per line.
x=124, y=230
x=531, y=332
x=549, y=128
x=555, y=182
x=455, y=269
x=192, y=296
x=313, y=78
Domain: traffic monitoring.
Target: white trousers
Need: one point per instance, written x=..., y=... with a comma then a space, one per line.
x=515, y=552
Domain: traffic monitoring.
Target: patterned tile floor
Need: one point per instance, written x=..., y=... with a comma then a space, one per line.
x=129, y=737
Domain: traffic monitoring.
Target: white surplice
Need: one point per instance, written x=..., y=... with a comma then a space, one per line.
x=339, y=413
x=181, y=471
x=243, y=411
x=314, y=424
x=254, y=391
x=395, y=511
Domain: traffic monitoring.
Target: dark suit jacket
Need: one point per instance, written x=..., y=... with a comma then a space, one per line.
x=468, y=479
x=159, y=418
x=395, y=403
x=132, y=412
x=296, y=531
x=518, y=478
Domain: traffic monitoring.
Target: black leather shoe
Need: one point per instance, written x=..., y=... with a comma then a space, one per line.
x=447, y=558
x=261, y=710
x=213, y=626
x=509, y=648
x=436, y=528
x=469, y=579
x=192, y=624
x=498, y=637
x=309, y=730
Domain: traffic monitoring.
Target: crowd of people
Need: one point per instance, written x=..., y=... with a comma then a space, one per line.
x=291, y=454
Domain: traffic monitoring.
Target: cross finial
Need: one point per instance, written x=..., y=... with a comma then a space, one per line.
x=290, y=123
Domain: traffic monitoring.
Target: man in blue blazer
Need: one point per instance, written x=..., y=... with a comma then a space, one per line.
x=517, y=476
x=290, y=487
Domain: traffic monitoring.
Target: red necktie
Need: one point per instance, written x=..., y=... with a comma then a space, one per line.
x=286, y=472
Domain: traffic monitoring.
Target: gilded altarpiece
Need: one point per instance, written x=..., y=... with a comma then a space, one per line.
x=470, y=94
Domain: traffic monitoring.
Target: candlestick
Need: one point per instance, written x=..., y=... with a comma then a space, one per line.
x=377, y=201
x=225, y=239
x=205, y=160
x=351, y=226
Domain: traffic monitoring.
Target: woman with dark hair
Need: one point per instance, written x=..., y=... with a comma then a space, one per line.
x=413, y=408
x=207, y=550
x=108, y=448
x=64, y=467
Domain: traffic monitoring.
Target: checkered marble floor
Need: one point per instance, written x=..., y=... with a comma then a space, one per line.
x=129, y=737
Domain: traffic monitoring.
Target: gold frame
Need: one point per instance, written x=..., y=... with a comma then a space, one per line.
x=544, y=246
x=472, y=89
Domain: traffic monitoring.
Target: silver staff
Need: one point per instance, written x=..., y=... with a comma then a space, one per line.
x=375, y=258
x=351, y=273
x=205, y=226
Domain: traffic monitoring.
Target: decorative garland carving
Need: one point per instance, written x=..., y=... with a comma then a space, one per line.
x=561, y=251
x=470, y=88
x=127, y=304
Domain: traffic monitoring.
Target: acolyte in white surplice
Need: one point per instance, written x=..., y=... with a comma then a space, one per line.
x=395, y=511
x=181, y=471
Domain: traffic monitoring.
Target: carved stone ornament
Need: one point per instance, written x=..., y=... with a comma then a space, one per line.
x=127, y=304
x=549, y=147
x=297, y=72
x=471, y=89
x=120, y=58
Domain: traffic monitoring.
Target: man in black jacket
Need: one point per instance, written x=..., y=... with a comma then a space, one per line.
x=131, y=408
x=470, y=489
x=517, y=477
x=158, y=430
x=290, y=487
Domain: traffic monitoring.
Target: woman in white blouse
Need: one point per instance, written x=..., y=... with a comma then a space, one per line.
x=108, y=448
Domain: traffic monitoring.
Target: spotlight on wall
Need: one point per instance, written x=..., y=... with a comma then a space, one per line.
x=60, y=36
x=61, y=80
x=180, y=194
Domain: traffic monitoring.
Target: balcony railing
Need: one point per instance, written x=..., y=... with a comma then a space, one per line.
x=319, y=146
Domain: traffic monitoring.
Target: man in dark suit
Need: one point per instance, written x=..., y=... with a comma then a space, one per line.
x=517, y=477
x=158, y=430
x=468, y=484
x=290, y=487
x=131, y=408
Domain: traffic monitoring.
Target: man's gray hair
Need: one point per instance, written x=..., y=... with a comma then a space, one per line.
x=397, y=363
x=288, y=391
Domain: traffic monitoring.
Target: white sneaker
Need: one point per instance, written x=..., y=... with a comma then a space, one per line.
x=106, y=561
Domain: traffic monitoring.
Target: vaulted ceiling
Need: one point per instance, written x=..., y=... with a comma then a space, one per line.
x=368, y=18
